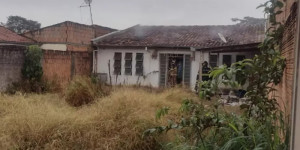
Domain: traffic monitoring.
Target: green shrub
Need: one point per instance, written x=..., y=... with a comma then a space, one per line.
x=32, y=73
x=81, y=91
x=32, y=69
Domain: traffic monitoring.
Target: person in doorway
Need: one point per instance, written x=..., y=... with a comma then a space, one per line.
x=205, y=74
x=205, y=71
x=172, y=74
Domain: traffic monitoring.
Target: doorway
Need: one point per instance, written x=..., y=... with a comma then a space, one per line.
x=174, y=70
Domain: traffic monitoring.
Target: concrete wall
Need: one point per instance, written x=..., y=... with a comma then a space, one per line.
x=11, y=63
x=151, y=65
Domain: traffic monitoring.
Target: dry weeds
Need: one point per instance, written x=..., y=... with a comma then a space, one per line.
x=113, y=122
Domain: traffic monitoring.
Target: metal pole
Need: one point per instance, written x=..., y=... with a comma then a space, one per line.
x=91, y=14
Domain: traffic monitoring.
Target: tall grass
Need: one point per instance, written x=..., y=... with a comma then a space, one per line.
x=114, y=122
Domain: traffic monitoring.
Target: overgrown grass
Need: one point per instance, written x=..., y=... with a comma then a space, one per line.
x=81, y=91
x=114, y=122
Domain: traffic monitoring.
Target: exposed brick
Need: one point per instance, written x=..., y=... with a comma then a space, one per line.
x=57, y=65
x=284, y=91
x=76, y=36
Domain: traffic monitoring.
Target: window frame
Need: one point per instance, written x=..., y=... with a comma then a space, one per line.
x=239, y=55
x=223, y=63
x=216, y=62
x=141, y=63
x=128, y=64
x=119, y=60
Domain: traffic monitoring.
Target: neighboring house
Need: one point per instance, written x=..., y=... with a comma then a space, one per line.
x=162, y=56
x=12, y=47
x=8, y=37
x=67, y=36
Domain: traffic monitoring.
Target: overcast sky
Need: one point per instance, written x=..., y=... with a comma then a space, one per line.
x=121, y=14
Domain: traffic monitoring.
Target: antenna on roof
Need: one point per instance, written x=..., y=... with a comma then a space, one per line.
x=88, y=4
x=222, y=37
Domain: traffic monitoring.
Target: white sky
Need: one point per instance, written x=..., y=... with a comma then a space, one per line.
x=121, y=14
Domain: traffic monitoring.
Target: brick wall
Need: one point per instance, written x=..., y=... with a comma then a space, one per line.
x=58, y=66
x=285, y=88
x=82, y=63
x=77, y=36
x=11, y=63
x=286, y=10
x=61, y=66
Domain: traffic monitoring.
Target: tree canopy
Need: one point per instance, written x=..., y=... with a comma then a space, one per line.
x=249, y=20
x=21, y=25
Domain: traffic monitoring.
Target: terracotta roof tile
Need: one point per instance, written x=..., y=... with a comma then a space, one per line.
x=184, y=36
x=7, y=35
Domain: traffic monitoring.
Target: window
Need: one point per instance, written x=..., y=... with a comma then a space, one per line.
x=117, y=63
x=240, y=57
x=213, y=61
x=139, y=64
x=128, y=63
x=227, y=60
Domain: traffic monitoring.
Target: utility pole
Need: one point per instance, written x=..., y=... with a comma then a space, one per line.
x=91, y=13
x=88, y=2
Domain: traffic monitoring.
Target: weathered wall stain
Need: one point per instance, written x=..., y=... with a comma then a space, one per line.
x=11, y=63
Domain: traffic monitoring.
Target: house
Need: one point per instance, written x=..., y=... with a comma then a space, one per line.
x=156, y=55
x=8, y=37
x=12, y=47
x=67, y=36
x=66, y=49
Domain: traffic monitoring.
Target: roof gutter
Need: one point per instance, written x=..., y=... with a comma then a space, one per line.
x=232, y=48
x=143, y=47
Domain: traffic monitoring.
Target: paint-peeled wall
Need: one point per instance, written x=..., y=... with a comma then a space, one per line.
x=105, y=60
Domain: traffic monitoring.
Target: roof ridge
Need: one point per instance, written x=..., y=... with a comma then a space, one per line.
x=194, y=35
x=186, y=25
x=112, y=33
x=65, y=22
x=11, y=36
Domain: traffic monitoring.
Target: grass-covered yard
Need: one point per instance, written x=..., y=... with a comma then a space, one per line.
x=117, y=121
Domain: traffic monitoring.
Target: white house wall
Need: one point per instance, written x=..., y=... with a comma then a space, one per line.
x=151, y=66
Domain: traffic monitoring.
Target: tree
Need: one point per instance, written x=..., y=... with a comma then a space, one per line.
x=32, y=69
x=249, y=20
x=21, y=25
